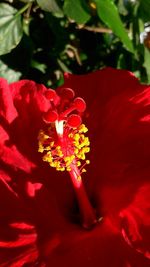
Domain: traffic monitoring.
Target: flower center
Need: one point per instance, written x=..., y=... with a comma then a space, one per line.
x=64, y=144
x=64, y=147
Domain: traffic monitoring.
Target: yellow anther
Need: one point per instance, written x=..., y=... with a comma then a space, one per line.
x=47, y=148
x=79, y=178
x=66, y=159
x=52, y=164
x=81, y=145
x=50, y=160
x=76, y=137
x=86, y=149
x=70, y=135
x=68, y=169
x=59, y=168
x=62, y=169
x=60, y=154
x=82, y=156
x=45, y=158
x=78, y=163
x=86, y=139
x=87, y=161
x=83, y=170
x=59, y=151
x=76, y=151
x=68, y=163
x=83, y=128
x=82, y=136
x=52, y=144
x=58, y=148
x=76, y=144
x=42, y=136
x=41, y=148
x=57, y=164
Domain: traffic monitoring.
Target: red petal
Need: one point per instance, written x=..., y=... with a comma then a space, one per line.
x=135, y=221
x=7, y=109
x=103, y=84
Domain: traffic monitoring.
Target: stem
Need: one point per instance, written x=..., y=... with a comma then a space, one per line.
x=95, y=29
x=24, y=8
x=76, y=53
x=88, y=215
x=27, y=15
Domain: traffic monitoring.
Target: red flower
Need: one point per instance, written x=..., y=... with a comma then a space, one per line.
x=39, y=217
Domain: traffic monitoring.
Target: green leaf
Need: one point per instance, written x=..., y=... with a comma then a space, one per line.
x=27, y=1
x=50, y=6
x=143, y=9
x=108, y=13
x=76, y=10
x=147, y=62
x=9, y=74
x=121, y=8
x=10, y=28
x=39, y=66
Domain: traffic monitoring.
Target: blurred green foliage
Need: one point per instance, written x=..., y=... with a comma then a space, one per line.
x=41, y=39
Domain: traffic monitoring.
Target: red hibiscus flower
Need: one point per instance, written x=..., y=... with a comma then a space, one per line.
x=97, y=218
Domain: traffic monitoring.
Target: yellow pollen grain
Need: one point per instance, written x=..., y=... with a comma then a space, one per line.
x=60, y=154
x=78, y=163
x=68, y=169
x=42, y=136
x=70, y=135
x=62, y=169
x=58, y=148
x=68, y=164
x=83, y=129
x=76, y=137
x=83, y=157
x=52, y=144
x=79, y=178
x=86, y=149
x=76, y=151
x=66, y=159
x=41, y=148
x=52, y=164
x=47, y=148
